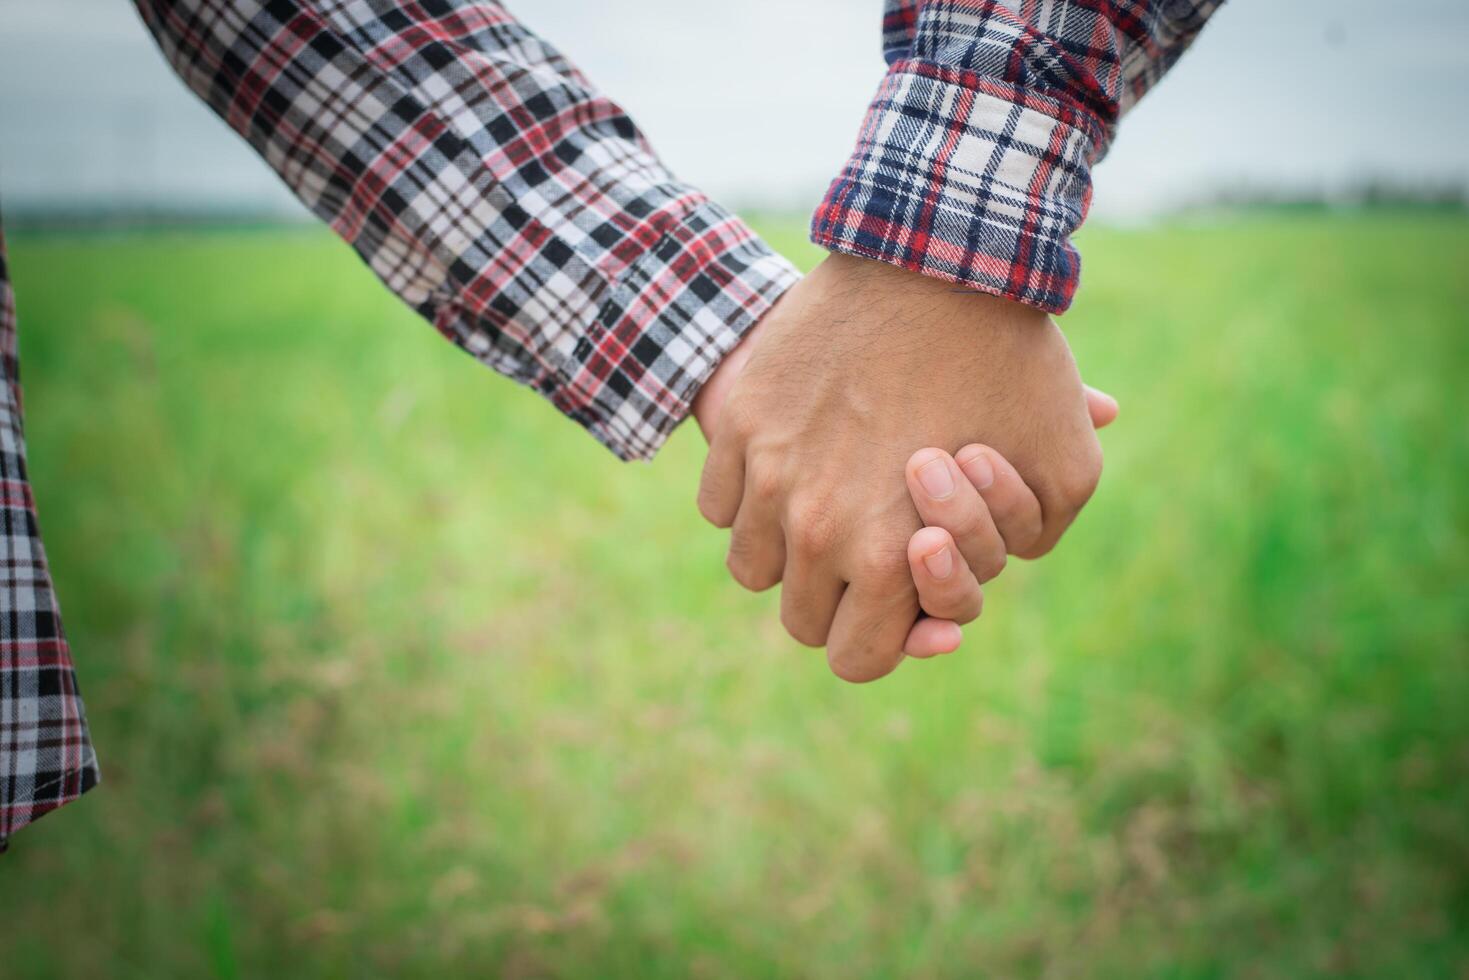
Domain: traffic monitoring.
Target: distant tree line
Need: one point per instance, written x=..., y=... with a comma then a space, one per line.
x=1373, y=192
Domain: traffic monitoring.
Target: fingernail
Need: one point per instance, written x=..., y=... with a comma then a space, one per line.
x=939, y=564
x=980, y=471
x=936, y=479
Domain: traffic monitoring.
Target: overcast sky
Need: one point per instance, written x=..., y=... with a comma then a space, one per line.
x=758, y=101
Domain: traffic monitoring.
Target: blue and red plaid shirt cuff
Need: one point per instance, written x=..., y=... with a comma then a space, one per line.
x=967, y=179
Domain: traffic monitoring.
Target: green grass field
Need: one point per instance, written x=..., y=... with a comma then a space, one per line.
x=393, y=672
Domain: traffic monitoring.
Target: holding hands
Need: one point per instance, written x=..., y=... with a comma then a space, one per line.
x=813, y=417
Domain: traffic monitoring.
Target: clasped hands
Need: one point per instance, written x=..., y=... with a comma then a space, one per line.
x=813, y=421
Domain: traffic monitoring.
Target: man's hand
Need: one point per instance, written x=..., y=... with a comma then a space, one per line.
x=858, y=364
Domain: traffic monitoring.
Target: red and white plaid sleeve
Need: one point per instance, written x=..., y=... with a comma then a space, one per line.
x=493, y=189
x=974, y=161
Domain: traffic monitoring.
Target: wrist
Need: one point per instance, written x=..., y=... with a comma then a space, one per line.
x=709, y=402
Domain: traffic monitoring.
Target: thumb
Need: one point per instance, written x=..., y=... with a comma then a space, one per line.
x=1102, y=406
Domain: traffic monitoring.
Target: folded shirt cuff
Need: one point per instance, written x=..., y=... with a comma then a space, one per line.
x=623, y=351
x=967, y=179
x=672, y=316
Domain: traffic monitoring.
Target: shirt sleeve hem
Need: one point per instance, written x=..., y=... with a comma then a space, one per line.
x=67, y=786
x=1047, y=291
x=671, y=316
x=966, y=180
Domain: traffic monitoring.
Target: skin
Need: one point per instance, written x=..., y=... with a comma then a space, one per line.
x=854, y=366
x=961, y=545
x=963, y=532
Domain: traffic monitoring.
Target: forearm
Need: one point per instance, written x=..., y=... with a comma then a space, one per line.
x=491, y=187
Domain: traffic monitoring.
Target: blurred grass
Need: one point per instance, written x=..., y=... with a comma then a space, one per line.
x=394, y=672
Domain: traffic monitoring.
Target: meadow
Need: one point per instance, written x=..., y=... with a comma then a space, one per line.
x=392, y=671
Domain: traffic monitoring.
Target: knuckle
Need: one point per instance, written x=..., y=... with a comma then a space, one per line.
x=1029, y=531
x=1037, y=550
x=802, y=631
x=989, y=566
x=746, y=568
x=813, y=530
x=858, y=668
x=765, y=478
x=1068, y=495
x=1021, y=530
x=959, y=601
x=967, y=608
x=965, y=524
x=1054, y=519
x=880, y=566
x=741, y=420
x=1080, y=489
x=748, y=573
x=709, y=506
x=1080, y=480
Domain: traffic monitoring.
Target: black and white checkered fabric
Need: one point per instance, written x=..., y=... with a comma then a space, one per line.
x=46, y=756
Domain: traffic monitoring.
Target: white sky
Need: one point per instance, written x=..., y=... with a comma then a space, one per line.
x=758, y=101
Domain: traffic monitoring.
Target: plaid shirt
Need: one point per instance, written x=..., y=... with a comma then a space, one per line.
x=974, y=162
x=493, y=189
x=46, y=756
